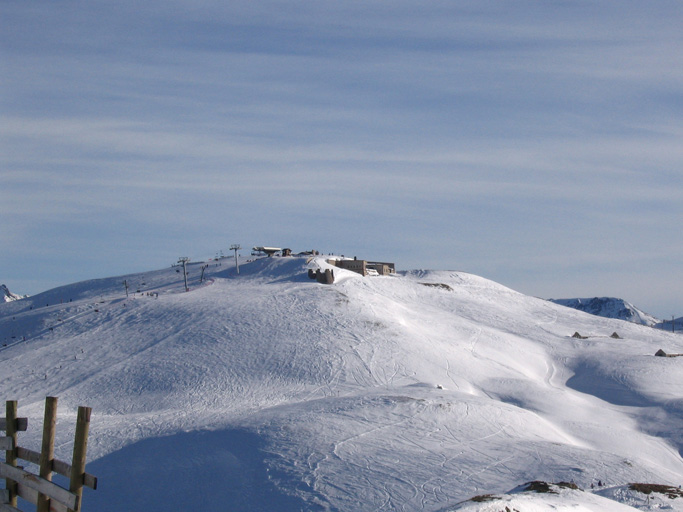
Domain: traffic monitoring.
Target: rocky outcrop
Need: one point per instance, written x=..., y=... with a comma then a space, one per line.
x=8, y=296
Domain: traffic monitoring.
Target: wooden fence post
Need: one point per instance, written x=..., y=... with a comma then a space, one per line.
x=47, y=452
x=78, y=461
x=39, y=489
x=11, y=454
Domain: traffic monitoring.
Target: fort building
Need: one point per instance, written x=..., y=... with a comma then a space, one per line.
x=364, y=267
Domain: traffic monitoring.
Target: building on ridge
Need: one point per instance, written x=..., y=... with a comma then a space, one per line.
x=364, y=267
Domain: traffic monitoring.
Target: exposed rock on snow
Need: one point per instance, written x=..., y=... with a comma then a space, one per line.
x=541, y=496
x=443, y=286
x=666, y=490
x=661, y=353
x=645, y=496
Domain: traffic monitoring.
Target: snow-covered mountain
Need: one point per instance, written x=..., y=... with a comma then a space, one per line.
x=267, y=391
x=8, y=296
x=610, y=307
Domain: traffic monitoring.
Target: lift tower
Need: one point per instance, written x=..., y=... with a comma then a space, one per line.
x=184, y=260
x=236, y=247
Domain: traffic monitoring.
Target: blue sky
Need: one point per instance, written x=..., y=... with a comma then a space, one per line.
x=538, y=144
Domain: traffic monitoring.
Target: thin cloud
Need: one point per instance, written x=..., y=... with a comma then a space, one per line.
x=503, y=137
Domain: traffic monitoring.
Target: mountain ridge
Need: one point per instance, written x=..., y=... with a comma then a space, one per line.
x=370, y=392
x=610, y=307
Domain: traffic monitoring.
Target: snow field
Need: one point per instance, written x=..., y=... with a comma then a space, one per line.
x=370, y=394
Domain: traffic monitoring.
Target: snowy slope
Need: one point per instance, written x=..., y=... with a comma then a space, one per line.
x=564, y=498
x=268, y=391
x=610, y=307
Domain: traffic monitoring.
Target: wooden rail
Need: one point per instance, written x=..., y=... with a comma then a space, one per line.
x=39, y=489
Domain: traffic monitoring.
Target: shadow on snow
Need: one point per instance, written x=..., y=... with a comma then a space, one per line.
x=207, y=471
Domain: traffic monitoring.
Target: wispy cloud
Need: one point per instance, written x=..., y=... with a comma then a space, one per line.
x=492, y=136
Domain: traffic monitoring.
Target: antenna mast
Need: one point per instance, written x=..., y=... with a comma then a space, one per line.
x=236, y=247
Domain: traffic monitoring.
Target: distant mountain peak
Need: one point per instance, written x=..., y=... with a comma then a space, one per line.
x=8, y=296
x=609, y=307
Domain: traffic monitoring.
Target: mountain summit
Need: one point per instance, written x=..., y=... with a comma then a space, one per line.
x=268, y=391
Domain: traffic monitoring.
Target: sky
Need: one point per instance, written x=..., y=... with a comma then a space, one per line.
x=535, y=143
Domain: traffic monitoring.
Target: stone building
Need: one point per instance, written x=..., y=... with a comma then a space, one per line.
x=364, y=267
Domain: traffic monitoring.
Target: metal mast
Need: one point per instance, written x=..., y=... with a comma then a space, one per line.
x=236, y=247
x=184, y=260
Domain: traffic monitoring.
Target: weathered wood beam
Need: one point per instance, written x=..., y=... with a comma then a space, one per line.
x=21, y=424
x=8, y=508
x=32, y=497
x=80, y=449
x=42, y=486
x=47, y=451
x=58, y=466
x=11, y=427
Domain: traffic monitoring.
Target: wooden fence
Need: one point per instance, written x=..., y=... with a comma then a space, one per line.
x=39, y=489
